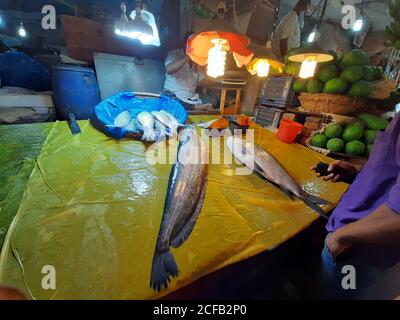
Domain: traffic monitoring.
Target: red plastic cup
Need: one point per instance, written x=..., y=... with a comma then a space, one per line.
x=289, y=130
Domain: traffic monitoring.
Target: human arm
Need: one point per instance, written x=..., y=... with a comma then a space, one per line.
x=174, y=67
x=283, y=46
x=381, y=227
x=287, y=30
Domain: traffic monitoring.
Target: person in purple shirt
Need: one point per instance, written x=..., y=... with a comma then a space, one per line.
x=364, y=229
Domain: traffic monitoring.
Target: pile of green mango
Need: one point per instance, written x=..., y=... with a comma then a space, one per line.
x=351, y=75
x=392, y=33
x=356, y=138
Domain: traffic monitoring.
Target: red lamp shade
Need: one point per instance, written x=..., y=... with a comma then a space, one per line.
x=200, y=44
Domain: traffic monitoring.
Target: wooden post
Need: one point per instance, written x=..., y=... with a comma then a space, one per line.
x=237, y=102
x=223, y=98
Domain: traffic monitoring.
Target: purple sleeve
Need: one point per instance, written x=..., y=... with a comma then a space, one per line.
x=393, y=201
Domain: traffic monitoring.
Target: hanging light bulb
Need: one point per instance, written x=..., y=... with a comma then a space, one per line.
x=217, y=58
x=311, y=37
x=263, y=61
x=138, y=27
x=310, y=54
x=121, y=25
x=21, y=30
x=309, y=57
x=142, y=26
x=308, y=67
x=148, y=37
x=262, y=67
x=314, y=36
x=266, y=59
x=358, y=25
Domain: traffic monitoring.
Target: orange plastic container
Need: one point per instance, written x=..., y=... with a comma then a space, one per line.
x=289, y=130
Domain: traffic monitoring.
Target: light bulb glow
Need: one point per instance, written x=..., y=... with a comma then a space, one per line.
x=217, y=58
x=262, y=67
x=311, y=37
x=142, y=27
x=308, y=68
x=358, y=25
x=143, y=38
x=22, y=31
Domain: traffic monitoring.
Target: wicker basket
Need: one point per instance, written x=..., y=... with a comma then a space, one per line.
x=329, y=103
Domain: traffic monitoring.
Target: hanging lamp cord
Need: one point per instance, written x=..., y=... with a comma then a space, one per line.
x=275, y=26
x=322, y=14
x=362, y=7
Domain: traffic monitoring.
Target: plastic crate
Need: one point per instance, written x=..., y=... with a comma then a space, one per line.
x=277, y=91
x=267, y=117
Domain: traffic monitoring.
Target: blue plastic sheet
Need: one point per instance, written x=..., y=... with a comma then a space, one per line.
x=107, y=110
x=19, y=70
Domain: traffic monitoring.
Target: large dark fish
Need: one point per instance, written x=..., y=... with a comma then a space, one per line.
x=261, y=162
x=183, y=204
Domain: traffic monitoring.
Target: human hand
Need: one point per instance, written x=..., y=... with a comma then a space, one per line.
x=338, y=166
x=337, y=244
x=9, y=293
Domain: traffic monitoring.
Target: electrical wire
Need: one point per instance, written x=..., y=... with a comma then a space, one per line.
x=321, y=17
x=317, y=9
x=275, y=26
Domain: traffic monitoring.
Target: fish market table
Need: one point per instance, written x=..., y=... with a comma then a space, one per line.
x=92, y=209
x=20, y=147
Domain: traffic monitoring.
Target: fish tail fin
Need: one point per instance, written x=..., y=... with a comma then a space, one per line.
x=309, y=201
x=164, y=267
x=152, y=135
x=145, y=135
x=149, y=135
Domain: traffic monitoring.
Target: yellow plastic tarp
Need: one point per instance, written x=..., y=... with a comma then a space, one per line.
x=93, y=207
